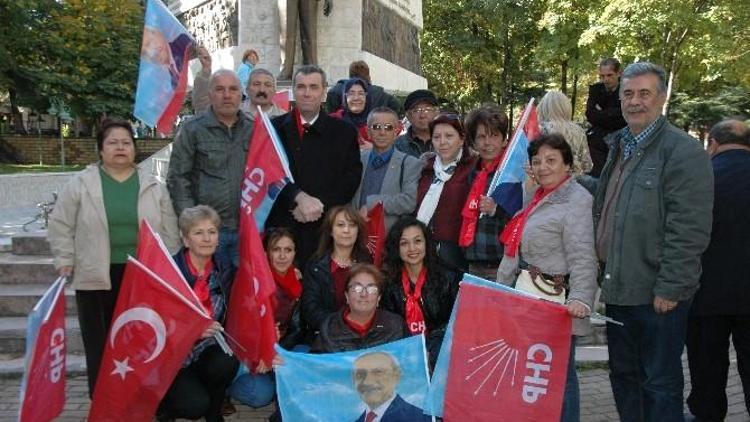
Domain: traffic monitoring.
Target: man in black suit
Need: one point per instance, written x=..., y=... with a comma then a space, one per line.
x=376, y=376
x=721, y=307
x=324, y=160
x=603, y=111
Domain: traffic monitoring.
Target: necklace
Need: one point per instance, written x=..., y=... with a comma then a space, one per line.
x=341, y=264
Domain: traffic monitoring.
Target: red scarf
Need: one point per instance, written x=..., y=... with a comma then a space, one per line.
x=201, y=283
x=513, y=231
x=470, y=213
x=415, y=322
x=288, y=283
x=360, y=329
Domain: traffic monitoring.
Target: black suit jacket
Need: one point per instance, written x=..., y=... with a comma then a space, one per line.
x=400, y=411
x=604, y=112
x=325, y=164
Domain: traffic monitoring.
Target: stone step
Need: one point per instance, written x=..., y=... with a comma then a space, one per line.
x=14, y=366
x=598, y=335
x=34, y=243
x=13, y=335
x=6, y=244
x=19, y=299
x=23, y=269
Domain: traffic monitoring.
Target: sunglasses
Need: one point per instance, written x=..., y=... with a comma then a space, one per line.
x=382, y=126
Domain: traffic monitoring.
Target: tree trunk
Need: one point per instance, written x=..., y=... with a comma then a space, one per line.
x=670, y=84
x=574, y=95
x=564, y=77
x=15, y=112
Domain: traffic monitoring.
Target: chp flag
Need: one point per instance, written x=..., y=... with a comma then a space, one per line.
x=153, y=329
x=43, y=385
x=516, y=364
x=376, y=233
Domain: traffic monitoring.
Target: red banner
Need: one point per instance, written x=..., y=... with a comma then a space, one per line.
x=376, y=233
x=250, y=320
x=153, y=330
x=43, y=387
x=509, y=357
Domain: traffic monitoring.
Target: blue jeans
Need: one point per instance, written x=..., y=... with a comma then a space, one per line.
x=254, y=390
x=645, y=362
x=228, y=249
x=571, y=409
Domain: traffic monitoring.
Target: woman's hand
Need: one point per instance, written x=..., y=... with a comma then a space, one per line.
x=578, y=309
x=487, y=206
x=212, y=330
x=65, y=271
x=278, y=360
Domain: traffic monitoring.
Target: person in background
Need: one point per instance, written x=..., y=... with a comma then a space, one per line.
x=555, y=113
x=418, y=287
x=421, y=107
x=94, y=227
x=260, y=92
x=343, y=243
x=444, y=187
x=721, y=307
x=355, y=109
x=376, y=95
x=360, y=323
x=390, y=176
x=199, y=388
x=553, y=239
x=483, y=220
x=250, y=58
x=603, y=112
x=200, y=98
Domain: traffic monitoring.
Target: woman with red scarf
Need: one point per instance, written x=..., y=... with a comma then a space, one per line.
x=360, y=324
x=551, y=243
x=418, y=286
x=281, y=251
x=482, y=219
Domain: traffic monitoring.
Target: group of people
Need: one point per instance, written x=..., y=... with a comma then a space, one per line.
x=638, y=225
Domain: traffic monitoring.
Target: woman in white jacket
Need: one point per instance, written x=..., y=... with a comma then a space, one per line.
x=94, y=227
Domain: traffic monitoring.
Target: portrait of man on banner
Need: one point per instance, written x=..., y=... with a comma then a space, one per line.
x=387, y=383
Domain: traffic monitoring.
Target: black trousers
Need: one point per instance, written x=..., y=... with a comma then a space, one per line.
x=708, y=356
x=95, y=309
x=199, y=389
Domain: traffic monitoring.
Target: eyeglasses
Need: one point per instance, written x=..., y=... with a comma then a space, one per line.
x=448, y=116
x=423, y=110
x=358, y=289
x=382, y=126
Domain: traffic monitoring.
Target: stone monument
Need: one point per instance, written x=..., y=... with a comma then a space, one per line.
x=384, y=33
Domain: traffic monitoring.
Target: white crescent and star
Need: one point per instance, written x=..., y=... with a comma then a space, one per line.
x=147, y=316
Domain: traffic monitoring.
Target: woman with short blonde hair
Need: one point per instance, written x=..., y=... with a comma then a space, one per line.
x=555, y=113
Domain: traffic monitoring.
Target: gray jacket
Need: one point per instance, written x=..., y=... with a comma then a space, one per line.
x=207, y=165
x=399, y=190
x=558, y=238
x=662, y=221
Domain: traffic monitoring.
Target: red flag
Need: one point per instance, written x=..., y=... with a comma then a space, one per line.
x=250, y=311
x=376, y=233
x=266, y=171
x=153, y=329
x=43, y=386
x=532, y=125
x=281, y=99
x=509, y=357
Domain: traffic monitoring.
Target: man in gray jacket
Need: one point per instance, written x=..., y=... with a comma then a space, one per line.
x=208, y=159
x=652, y=214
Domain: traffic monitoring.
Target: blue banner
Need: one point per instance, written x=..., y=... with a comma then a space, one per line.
x=390, y=380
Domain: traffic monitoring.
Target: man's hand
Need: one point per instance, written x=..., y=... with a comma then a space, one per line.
x=309, y=208
x=212, y=330
x=662, y=306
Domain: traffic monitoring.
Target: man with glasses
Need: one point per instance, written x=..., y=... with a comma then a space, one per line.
x=390, y=176
x=421, y=107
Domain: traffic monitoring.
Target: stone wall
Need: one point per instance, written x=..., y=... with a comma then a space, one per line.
x=388, y=35
x=33, y=150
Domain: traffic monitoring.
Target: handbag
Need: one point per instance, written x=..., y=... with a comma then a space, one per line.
x=532, y=281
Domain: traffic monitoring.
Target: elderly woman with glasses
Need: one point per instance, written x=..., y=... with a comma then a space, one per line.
x=360, y=324
x=444, y=187
x=356, y=107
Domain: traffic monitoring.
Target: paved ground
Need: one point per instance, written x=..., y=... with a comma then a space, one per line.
x=597, y=404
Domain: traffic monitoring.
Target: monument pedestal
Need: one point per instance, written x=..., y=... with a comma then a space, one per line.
x=383, y=33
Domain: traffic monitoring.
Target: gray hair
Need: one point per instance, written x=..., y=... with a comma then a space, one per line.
x=730, y=131
x=222, y=72
x=260, y=71
x=644, y=68
x=309, y=69
x=189, y=217
x=381, y=110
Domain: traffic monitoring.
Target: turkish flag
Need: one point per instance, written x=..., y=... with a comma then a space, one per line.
x=509, y=357
x=43, y=385
x=531, y=128
x=250, y=322
x=281, y=99
x=376, y=233
x=153, y=329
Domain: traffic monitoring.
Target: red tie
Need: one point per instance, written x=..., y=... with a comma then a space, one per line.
x=370, y=416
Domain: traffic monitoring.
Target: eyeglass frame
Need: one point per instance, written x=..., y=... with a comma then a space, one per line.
x=369, y=289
